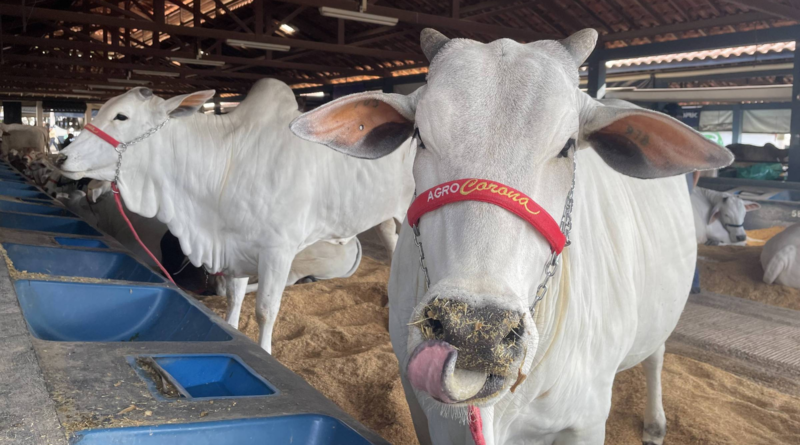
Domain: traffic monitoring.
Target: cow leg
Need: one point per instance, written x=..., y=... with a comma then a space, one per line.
x=235, y=290
x=273, y=270
x=387, y=230
x=655, y=422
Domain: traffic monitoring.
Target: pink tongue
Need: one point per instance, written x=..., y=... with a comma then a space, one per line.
x=426, y=368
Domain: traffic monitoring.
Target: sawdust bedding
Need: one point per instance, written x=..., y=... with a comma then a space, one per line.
x=335, y=335
x=737, y=271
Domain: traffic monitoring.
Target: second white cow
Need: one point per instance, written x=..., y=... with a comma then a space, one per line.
x=240, y=191
x=719, y=217
x=781, y=258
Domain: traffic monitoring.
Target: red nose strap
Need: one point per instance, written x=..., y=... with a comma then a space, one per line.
x=492, y=192
x=102, y=135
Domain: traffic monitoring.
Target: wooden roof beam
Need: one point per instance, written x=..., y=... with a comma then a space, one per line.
x=66, y=16
x=153, y=52
x=687, y=26
x=429, y=20
x=768, y=7
x=134, y=66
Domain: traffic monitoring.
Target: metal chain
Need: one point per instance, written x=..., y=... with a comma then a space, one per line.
x=415, y=229
x=123, y=146
x=552, y=262
x=566, y=226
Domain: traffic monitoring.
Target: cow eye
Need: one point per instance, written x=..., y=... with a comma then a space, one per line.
x=565, y=151
x=417, y=136
x=120, y=117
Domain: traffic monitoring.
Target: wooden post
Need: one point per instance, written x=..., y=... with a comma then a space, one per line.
x=597, y=77
x=158, y=17
x=794, y=146
x=258, y=10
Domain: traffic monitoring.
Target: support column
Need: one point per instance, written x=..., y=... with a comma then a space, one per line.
x=258, y=11
x=39, y=114
x=158, y=17
x=794, y=146
x=597, y=76
x=737, y=124
x=87, y=115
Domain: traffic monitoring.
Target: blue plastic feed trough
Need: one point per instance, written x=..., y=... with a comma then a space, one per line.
x=23, y=193
x=79, y=263
x=5, y=185
x=12, y=179
x=212, y=376
x=59, y=311
x=80, y=242
x=46, y=200
x=10, y=174
x=13, y=206
x=54, y=224
x=302, y=429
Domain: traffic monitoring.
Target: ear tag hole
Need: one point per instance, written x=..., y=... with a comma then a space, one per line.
x=361, y=127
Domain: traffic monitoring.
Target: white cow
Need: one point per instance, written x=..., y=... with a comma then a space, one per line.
x=511, y=113
x=19, y=136
x=321, y=260
x=719, y=217
x=240, y=191
x=780, y=258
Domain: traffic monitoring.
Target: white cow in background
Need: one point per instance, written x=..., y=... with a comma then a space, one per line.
x=19, y=136
x=719, y=217
x=240, y=191
x=511, y=113
x=781, y=259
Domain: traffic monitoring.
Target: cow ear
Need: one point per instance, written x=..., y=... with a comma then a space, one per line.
x=366, y=125
x=646, y=144
x=187, y=104
x=750, y=206
x=714, y=213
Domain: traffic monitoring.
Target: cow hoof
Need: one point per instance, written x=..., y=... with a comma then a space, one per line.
x=308, y=279
x=653, y=434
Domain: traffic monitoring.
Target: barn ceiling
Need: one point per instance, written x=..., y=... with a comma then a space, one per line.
x=94, y=48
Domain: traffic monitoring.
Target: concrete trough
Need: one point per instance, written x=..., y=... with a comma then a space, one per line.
x=94, y=340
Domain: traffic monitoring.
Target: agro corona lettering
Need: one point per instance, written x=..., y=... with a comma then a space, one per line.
x=476, y=185
x=442, y=191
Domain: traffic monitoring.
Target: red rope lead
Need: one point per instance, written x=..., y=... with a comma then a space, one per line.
x=136, y=235
x=476, y=425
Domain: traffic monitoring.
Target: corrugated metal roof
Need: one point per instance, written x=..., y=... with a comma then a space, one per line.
x=707, y=54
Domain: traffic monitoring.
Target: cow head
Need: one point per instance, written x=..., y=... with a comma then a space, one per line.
x=510, y=113
x=730, y=211
x=125, y=118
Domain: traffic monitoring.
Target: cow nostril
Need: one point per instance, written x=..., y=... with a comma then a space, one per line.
x=741, y=238
x=515, y=334
x=431, y=327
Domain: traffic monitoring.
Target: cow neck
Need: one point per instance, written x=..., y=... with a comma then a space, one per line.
x=159, y=177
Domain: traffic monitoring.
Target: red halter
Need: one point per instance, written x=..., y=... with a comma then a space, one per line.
x=102, y=135
x=492, y=192
x=115, y=143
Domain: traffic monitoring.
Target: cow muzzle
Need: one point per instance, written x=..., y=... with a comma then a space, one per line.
x=59, y=159
x=468, y=353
